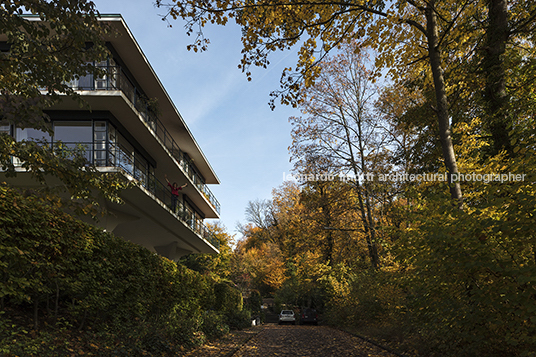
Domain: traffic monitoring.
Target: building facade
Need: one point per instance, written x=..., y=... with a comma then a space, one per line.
x=124, y=132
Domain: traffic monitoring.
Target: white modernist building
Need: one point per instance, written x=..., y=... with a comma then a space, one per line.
x=123, y=134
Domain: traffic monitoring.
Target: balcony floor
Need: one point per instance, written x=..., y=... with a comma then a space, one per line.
x=142, y=219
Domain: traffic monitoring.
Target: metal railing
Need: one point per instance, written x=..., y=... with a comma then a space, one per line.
x=121, y=159
x=115, y=79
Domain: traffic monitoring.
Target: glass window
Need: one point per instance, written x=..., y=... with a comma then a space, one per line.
x=31, y=135
x=100, y=126
x=5, y=129
x=73, y=131
x=125, y=155
x=99, y=143
x=112, y=135
x=99, y=135
x=141, y=169
x=86, y=82
x=103, y=81
x=112, y=160
x=99, y=158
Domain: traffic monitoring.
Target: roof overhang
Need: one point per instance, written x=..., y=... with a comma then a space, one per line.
x=131, y=53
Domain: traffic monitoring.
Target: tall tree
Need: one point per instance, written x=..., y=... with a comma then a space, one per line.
x=340, y=126
x=508, y=25
x=407, y=30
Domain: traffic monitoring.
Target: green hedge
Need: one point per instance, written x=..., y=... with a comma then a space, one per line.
x=62, y=276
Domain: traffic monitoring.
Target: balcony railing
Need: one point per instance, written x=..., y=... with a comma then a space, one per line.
x=121, y=159
x=115, y=79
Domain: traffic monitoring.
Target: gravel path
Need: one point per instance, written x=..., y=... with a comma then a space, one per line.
x=290, y=341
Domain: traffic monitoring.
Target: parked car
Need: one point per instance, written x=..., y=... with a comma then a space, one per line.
x=309, y=316
x=287, y=316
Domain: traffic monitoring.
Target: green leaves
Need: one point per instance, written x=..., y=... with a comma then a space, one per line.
x=82, y=182
x=45, y=55
x=73, y=272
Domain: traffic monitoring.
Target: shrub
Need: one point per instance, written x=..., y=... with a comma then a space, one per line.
x=214, y=325
x=56, y=268
x=238, y=320
x=227, y=298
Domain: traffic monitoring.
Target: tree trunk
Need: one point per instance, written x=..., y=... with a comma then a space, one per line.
x=36, y=312
x=371, y=245
x=326, y=210
x=495, y=96
x=370, y=235
x=442, y=104
x=370, y=219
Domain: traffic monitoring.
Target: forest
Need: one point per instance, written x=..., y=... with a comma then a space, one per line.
x=410, y=221
x=376, y=240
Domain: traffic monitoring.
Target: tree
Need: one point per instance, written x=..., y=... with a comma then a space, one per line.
x=413, y=38
x=61, y=41
x=259, y=267
x=341, y=129
x=40, y=54
x=508, y=26
x=218, y=265
x=259, y=212
x=408, y=121
x=277, y=25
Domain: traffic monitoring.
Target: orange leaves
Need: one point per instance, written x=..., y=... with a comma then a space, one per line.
x=264, y=264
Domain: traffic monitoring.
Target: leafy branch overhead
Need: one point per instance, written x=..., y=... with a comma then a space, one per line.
x=269, y=26
x=411, y=38
x=41, y=57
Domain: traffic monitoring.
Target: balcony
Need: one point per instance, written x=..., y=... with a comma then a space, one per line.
x=122, y=160
x=115, y=79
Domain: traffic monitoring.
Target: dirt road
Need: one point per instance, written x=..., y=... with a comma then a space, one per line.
x=290, y=341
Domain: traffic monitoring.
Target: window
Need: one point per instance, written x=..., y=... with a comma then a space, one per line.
x=90, y=82
x=73, y=131
x=5, y=129
x=112, y=142
x=86, y=82
x=74, y=134
x=99, y=143
x=141, y=168
x=107, y=81
x=125, y=154
x=32, y=135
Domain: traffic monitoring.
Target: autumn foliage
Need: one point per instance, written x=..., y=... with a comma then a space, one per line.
x=444, y=279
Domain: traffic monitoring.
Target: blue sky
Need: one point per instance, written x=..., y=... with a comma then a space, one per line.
x=245, y=142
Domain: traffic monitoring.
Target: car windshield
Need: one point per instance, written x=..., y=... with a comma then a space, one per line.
x=287, y=312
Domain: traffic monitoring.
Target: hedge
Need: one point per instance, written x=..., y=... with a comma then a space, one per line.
x=60, y=276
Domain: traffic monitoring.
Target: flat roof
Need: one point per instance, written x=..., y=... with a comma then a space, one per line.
x=132, y=55
x=138, y=65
